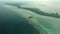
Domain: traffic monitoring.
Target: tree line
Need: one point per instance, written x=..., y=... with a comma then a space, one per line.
x=38, y=11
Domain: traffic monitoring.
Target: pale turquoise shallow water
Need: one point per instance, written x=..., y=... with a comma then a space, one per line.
x=48, y=25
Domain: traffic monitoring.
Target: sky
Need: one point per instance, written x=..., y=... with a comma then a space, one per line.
x=44, y=5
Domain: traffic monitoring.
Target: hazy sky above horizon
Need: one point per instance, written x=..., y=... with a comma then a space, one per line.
x=44, y=5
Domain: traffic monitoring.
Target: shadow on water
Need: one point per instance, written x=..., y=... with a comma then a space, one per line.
x=11, y=23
